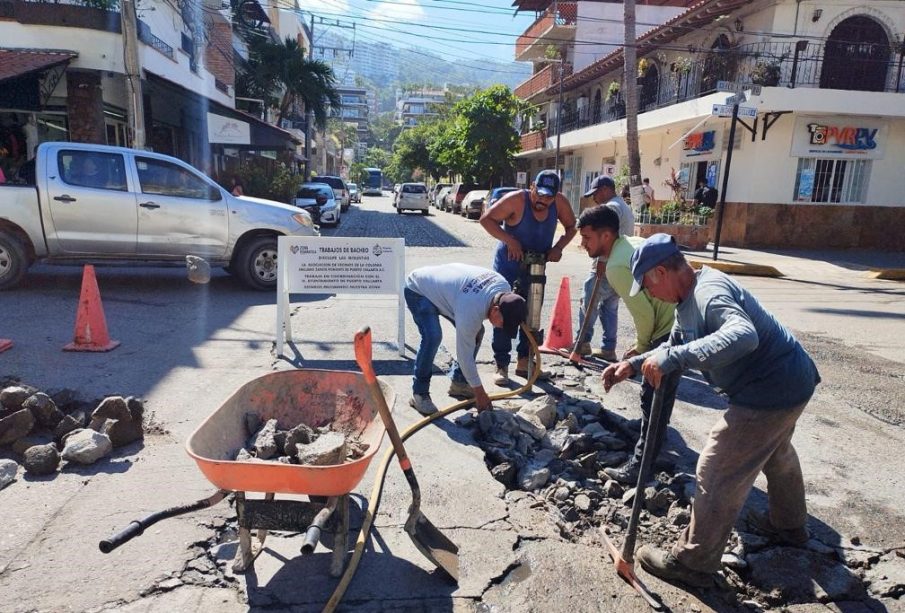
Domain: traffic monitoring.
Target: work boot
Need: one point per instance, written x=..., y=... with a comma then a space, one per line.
x=501, y=376
x=521, y=370
x=423, y=404
x=761, y=524
x=664, y=565
x=627, y=473
x=584, y=349
x=608, y=355
x=461, y=390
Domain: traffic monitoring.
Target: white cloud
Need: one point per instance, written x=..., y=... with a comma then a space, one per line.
x=403, y=11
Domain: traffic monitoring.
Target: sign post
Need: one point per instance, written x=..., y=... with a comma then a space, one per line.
x=334, y=265
x=722, y=204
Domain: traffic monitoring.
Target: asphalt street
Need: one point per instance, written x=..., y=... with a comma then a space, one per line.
x=186, y=348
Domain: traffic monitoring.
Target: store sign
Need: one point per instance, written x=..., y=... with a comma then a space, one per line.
x=702, y=146
x=839, y=138
x=227, y=131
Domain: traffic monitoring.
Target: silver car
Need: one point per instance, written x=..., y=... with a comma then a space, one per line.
x=320, y=201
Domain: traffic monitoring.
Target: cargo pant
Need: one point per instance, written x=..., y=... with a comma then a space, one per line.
x=743, y=443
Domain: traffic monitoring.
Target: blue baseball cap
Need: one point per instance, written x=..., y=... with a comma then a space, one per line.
x=655, y=249
x=547, y=183
x=598, y=182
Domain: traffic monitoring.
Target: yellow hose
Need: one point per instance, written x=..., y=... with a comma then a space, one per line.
x=380, y=477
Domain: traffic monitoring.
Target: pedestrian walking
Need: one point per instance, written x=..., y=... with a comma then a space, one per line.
x=601, y=237
x=524, y=222
x=237, y=188
x=743, y=351
x=466, y=296
x=648, y=193
x=603, y=191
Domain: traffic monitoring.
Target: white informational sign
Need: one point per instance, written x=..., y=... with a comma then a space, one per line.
x=227, y=131
x=334, y=265
x=747, y=111
x=521, y=178
x=732, y=86
x=840, y=137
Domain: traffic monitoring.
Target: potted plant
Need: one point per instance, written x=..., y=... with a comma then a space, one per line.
x=676, y=217
x=643, y=65
x=766, y=73
x=614, y=100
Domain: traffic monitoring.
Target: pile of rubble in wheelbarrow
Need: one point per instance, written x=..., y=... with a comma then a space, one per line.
x=554, y=448
x=44, y=430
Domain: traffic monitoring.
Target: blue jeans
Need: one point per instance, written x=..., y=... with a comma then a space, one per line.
x=607, y=311
x=502, y=342
x=427, y=319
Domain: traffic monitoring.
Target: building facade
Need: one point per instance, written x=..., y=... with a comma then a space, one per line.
x=817, y=159
x=77, y=90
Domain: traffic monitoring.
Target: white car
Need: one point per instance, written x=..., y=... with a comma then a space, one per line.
x=473, y=203
x=321, y=202
x=412, y=196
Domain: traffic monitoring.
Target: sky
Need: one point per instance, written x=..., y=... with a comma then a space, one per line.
x=454, y=29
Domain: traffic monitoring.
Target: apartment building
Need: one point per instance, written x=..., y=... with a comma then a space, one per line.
x=819, y=163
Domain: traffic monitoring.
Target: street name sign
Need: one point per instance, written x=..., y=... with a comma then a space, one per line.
x=722, y=110
x=732, y=86
x=747, y=111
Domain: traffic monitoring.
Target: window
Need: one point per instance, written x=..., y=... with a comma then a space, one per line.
x=93, y=169
x=831, y=181
x=167, y=179
x=413, y=189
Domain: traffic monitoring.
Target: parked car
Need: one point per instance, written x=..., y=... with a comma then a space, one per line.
x=339, y=188
x=440, y=198
x=354, y=193
x=434, y=191
x=320, y=201
x=473, y=203
x=456, y=193
x=88, y=203
x=495, y=194
x=412, y=197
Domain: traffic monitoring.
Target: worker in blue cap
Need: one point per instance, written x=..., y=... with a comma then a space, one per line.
x=525, y=221
x=746, y=354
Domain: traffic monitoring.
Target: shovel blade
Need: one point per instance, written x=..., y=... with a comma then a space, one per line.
x=435, y=546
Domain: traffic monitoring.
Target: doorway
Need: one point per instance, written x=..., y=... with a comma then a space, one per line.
x=856, y=56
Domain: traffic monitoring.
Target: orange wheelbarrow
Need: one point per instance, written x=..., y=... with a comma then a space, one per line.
x=317, y=398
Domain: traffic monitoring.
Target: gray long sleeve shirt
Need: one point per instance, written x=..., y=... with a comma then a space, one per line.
x=740, y=348
x=462, y=293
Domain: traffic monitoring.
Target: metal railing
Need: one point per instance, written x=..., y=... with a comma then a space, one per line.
x=147, y=37
x=685, y=218
x=565, y=15
x=777, y=64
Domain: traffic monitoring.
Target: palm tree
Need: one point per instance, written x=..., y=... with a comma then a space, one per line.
x=282, y=75
x=630, y=71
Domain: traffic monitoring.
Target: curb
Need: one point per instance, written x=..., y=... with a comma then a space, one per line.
x=738, y=268
x=889, y=274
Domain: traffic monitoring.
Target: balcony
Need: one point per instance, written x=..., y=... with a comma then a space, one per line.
x=541, y=81
x=786, y=64
x=533, y=140
x=555, y=27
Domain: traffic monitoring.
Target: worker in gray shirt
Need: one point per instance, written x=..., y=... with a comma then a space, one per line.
x=465, y=295
x=603, y=192
x=746, y=354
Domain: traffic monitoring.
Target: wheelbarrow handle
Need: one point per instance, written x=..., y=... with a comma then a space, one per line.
x=363, y=358
x=137, y=526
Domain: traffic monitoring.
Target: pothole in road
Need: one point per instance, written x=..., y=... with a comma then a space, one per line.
x=554, y=448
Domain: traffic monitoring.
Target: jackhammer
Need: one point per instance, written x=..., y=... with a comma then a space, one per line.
x=530, y=285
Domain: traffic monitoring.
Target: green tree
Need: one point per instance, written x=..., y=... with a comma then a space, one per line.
x=414, y=149
x=480, y=141
x=282, y=76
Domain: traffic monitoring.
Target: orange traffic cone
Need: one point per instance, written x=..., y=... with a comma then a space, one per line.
x=560, y=329
x=5, y=344
x=90, y=324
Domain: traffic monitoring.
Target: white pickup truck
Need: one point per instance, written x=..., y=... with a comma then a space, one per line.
x=83, y=203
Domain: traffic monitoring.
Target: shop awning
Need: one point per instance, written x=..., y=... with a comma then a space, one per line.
x=20, y=62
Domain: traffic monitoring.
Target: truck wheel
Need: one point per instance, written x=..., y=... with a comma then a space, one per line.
x=13, y=262
x=256, y=264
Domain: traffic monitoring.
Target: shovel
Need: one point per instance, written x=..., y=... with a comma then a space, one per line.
x=624, y=560
x=427, y=538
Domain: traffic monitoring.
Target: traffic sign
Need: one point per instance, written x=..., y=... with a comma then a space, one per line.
x=732, y=86
x=747, y=111
x=722, y=110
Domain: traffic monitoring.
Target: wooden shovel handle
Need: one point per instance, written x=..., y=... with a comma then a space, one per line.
x=363, y=358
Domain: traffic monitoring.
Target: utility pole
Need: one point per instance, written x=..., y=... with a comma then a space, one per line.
x=129, y=26
x=309, y=116
x=630, y=77
x=559, y=117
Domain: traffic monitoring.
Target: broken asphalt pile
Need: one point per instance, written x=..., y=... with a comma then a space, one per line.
x=555, y=447
x=300, y=444
x=41, y=431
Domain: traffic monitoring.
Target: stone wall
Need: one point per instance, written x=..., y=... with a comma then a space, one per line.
x=85, y=106
x=813, y=226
